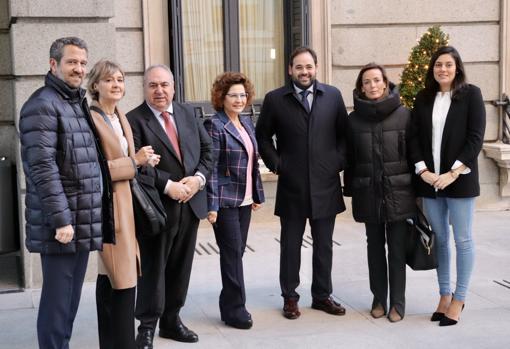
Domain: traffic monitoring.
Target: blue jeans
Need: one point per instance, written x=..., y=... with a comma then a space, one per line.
x=459, y=212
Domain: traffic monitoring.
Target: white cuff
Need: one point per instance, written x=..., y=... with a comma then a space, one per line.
x=167, y=187
x=419, y=166
x=457, y=164
x=201, y=178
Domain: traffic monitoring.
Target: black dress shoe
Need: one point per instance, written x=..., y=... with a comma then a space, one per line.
x=240, y=324
x=437, y=316
x=144, y=339
x=179, y=333
x=329, y=306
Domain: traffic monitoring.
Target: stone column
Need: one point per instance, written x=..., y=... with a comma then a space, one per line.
x=155, y=29
x=321, y=37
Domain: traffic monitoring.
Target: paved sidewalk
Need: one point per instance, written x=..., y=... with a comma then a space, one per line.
x=485, y=323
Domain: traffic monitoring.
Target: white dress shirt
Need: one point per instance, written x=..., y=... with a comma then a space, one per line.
x=309, y=97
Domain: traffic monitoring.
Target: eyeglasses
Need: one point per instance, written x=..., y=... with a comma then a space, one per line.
x=237, y=95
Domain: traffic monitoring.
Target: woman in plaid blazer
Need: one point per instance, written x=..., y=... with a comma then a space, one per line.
x=234, y=188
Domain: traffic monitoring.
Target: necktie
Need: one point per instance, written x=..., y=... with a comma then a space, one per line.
x=304, y=99
x=171, y=133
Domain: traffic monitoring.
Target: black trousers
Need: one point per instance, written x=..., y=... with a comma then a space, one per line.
x=166, y=267
x=115, y=315
x=231, y=231
x=60, y=296
x=291, y=238
x=395, y=235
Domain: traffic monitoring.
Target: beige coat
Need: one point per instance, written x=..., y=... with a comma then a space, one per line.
x=120, y=261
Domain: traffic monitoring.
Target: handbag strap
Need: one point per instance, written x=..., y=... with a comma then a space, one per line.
x=421, y=216
x=103, y=114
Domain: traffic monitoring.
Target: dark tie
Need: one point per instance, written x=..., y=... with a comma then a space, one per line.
x=171, y=133
x=304, y=99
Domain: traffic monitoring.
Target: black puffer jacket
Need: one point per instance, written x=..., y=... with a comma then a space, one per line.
x=63, y=175
x=378, y=176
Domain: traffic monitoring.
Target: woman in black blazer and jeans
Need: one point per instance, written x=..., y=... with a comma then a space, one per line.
x=449, y=125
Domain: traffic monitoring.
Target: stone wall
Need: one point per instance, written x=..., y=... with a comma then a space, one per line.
x=363, y=31
x=7, y=130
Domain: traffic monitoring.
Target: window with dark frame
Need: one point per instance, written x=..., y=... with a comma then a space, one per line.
x=252, y=36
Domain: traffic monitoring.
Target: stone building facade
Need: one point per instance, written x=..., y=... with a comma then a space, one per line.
x=346, y=34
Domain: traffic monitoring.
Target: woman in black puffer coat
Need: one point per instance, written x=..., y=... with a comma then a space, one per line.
x=379, y=180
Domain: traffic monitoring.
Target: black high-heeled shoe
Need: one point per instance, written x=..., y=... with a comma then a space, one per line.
x=437, y=316
x=446, y=321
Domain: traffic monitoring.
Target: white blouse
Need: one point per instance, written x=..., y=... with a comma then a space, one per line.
x=117, y=127
x=441, y=106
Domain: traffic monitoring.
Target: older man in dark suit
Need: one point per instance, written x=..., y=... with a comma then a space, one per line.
x=186, y=160
x=307, y=118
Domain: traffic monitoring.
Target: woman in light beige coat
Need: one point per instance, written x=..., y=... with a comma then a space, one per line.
x=119, y=263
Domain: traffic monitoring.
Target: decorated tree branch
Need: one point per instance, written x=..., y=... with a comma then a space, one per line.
x=412, y=79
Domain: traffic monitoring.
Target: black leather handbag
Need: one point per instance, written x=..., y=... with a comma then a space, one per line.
x=420, y=254
x=150, y=215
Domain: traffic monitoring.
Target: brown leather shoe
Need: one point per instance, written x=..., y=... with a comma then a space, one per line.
x=329, y=306
x=291, y=309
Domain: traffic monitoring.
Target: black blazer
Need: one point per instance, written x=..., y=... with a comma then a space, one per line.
x=309, y=151
x=196, y=150
x=462, y=140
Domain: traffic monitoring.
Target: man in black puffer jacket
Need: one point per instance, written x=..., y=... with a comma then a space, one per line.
x=64, y=182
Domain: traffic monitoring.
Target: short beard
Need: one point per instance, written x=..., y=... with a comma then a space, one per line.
x=301, y=86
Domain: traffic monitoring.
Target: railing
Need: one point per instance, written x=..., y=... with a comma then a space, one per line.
x=504, y=129
x=506, y=123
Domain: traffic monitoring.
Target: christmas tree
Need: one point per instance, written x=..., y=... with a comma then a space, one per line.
x=412, y=79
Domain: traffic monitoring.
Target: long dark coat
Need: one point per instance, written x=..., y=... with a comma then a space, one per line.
x=309, y=150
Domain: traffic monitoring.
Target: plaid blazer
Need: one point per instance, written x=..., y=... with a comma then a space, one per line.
x=226, y=186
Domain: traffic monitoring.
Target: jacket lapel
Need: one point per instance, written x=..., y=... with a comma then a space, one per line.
x=180, y=122
x=108, y=137
x=246, y=122
x=291, y=94
x=154, y=125
x=449, y=124
x=230, y=128
x=429, y=107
